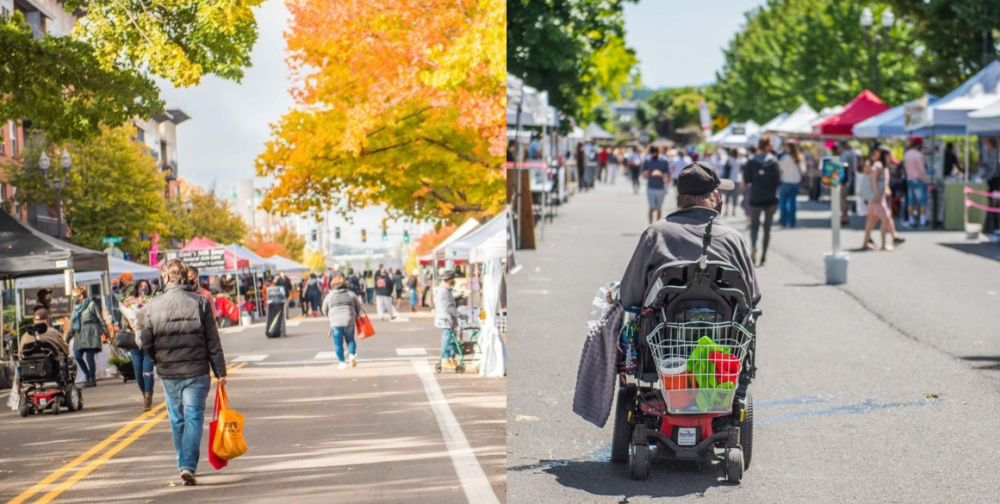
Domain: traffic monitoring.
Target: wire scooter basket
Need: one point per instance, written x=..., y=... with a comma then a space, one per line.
x=699, y=364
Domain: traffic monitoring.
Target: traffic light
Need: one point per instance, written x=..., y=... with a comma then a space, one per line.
x=313, y=235
x=364, y=236
x=406, y=237
x=385, y=234
x=336, y=232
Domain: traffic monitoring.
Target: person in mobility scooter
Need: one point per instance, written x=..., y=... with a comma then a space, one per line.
x=687, y=340
x=47, y=371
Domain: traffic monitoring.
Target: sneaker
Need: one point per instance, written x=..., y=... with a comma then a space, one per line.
x=342, y=365
x=898, y=241
x=908, y=224
x=188, y=477
x=923, y=221
x=354, y=361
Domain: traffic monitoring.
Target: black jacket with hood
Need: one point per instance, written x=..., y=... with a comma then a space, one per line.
x=764, y=176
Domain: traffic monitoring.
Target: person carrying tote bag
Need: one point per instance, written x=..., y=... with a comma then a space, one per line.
x=342, y=307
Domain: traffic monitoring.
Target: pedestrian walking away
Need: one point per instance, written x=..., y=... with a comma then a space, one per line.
x=411, y=289
x=383, y=293
x=916, y=183
x=635, y=167
x=602, y=165
x=732, y=171
x=398, y=286
x=446, y=317
x=134, y=315
x=370, y=286
x=86, y=328
x=181, y=338
x=792, y=166
x=764, y=176
x=656, y=171
x=342, y=307
x=313, y=293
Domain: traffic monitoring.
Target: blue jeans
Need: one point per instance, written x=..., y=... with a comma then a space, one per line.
x=447, y=347
x=186, y=408
x=88, y=367
x=787, y=203
x=341, y=333
x=370, y=294
x=143, y=370
x=916, y=193
x=413, y=297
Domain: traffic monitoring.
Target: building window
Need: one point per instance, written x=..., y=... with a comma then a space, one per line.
x=140, y=135
x=3, y=194
x=3, y=141
x=13, y=138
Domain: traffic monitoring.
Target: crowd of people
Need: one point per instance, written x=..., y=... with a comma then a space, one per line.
x=769, y=177
x=388, y=290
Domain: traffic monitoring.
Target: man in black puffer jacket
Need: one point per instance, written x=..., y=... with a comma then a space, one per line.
x=181, y=338
x=764, y=176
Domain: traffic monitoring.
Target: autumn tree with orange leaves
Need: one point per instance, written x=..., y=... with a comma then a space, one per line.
x=399, y=103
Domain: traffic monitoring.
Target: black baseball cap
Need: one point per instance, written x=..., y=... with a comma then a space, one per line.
x=700, y=178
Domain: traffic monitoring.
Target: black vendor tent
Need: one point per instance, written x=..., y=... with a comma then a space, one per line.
x=25, y=251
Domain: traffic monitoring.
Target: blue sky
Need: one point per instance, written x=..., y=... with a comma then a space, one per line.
x=680, y=42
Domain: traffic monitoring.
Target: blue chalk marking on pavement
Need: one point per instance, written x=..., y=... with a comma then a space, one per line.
x=866, y=406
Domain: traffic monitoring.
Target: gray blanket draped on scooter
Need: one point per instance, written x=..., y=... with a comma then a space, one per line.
x=595, y=379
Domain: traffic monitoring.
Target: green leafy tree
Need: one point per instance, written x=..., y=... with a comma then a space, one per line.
x=211, y=217
x=559, y=47
x=684, y=109
x=114, y=189
x=813, y=51
x=69, y=86
x=63, y=88
x=645, y=115
x=957, y=39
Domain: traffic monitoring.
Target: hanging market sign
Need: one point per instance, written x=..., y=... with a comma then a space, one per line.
x=915, y=113
x=205, y=259
x=60, y=305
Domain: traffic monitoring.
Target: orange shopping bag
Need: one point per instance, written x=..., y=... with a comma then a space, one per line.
x=363, y=326
x=227, y=442
x=215, y=460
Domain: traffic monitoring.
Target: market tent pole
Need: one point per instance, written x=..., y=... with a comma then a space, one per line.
x=3, y=288
x=964, y=194
x=239, y=305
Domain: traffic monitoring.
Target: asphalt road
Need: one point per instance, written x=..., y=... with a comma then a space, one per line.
x=388, y=431
x=882, y=390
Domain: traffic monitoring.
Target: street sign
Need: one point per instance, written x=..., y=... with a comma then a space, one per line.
x=107, y=240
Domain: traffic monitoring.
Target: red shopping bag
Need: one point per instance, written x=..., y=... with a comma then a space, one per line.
x=215, y=460
x=363, y=326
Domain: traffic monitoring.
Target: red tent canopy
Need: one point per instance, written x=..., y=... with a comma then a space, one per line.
x=862, y=107
x=232, y=260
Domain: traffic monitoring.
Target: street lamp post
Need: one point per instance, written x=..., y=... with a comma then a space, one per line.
x=61, y=180
x=875, y=40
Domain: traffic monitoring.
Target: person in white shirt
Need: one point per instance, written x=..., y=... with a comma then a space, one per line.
x=792, y=166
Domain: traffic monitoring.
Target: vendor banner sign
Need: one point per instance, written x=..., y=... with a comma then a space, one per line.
x=915, y=113
x=210, y=259
x=60, y=305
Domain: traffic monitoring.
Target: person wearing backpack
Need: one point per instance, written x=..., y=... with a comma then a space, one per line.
x=763, y=176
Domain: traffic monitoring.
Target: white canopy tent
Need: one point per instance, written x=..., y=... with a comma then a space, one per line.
x=774, y=123
x=985, y=120
x=950, y=114
x=116, y=268
x=798, y=122
x=461, y=249
x=595, y=132
x=736, y=134
x=287, y=265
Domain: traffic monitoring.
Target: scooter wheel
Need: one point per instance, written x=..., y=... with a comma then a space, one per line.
x=74, y=399
x=734, y=465
x=56, y=405
x=437, y=367
x=23, y=410
x=460, y=368
x=639, y=462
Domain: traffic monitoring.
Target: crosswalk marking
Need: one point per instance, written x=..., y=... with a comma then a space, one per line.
x=251, y=358
x=410, y=351
x=325, y=356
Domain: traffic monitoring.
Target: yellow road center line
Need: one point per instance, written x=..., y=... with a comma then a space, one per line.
x=38, y=487
x=85, y=456
x=94, y=464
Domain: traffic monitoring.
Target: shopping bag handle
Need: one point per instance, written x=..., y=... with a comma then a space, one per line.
x=221, y=400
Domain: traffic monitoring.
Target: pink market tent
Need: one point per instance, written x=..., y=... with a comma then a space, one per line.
x=199, y=243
